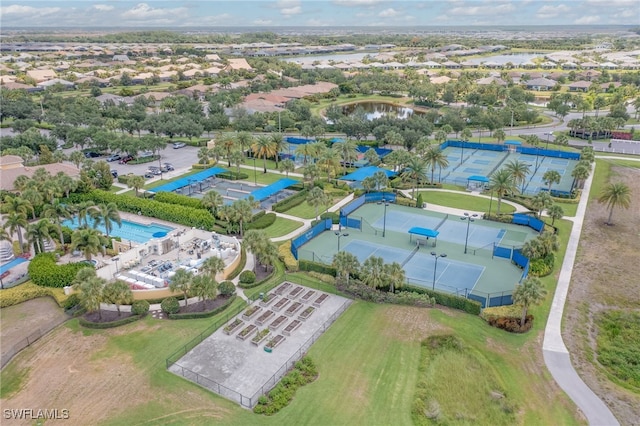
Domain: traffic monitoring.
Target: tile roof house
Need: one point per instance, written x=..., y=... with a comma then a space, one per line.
x=540, y=84
x=41, y=75
x=238, y=64
x=12, y=166
x=579, y=86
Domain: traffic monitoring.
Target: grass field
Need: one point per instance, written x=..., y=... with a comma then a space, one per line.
x=282, y=227
x=464, y=201
x=306, y=211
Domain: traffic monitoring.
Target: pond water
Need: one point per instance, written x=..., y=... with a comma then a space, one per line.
x=375, y=110
x=515, y=58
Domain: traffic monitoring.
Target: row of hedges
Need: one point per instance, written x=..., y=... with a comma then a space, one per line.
x=285, y=255
x=182, y=215
x=291, y=202
x=232, y=175
x=334, y=216
x=450, y=300
x=206, y=314
x=307, y=265
x=27, y=291
x=240, y=266
x=262, y=222
x=101, y=325
x=179, y=199
x=364, y=292
x=44, y=271
x=542, y=267
x=199, y=166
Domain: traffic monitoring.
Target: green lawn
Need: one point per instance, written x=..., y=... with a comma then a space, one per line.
x=306, y=211
x=464, y=201
x=264, y=178
x=282, y=227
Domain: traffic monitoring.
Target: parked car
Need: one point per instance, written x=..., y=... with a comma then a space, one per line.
x=113, y=157
x=145, y=154
x=168, y=166
x=178, y=145
x=91, y=154
x=114, y=173
x=148, y=175
x=126, y=159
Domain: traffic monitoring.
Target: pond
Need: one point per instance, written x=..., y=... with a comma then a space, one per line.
x=375, y=110
x=515, y=58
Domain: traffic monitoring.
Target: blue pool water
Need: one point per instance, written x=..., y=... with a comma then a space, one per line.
x=9, y=265
x=129, y=230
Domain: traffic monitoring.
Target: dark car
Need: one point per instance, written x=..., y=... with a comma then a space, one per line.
x=126, y=159
x=91, y=154
x=114, y=173
x=167, y=167
x=148, y=174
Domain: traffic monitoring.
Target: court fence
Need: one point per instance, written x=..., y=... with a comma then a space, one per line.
x=520, y=149
x=8, y=353
x=244, y=400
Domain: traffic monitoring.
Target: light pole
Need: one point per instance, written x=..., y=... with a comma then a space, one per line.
x=469, y=219
x=462, y=153
x=255, y=173
x=340, y=235
x=435, y=267
x=548, y=136
x=115, y=259
x=384, y=218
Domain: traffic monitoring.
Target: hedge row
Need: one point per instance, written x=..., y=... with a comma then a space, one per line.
x=101, y=325
x=243, y=261
x=179, y=199
x=182, y=215
x=199, y=166
x=307, y=265
x=262, y=222
x=450, y=300
x=285, y=255
x=44, y=271
x=291, y=202
x=231, y=175
x=334, y=216
x=206, y=314
x=27, y=291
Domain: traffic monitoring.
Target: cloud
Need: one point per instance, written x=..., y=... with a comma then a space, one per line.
x=357, y=3
x=262, y=22
x=16, y=10
x=142, y=11
x=629, y=13
x=103, y=7
x=552, y=11
x=613, y=3
x=491, y=9
x=388, y=13
x=316, y=23
x=289, y=8
x=586, y=20
x=291, y=11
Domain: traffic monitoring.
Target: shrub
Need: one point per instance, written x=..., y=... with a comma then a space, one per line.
x=22, y=293
x=44, y=271
x=199, y=166
x=100, y=325
x=307, y=265
x=71, y=301
x=182, y=200
x=291, y=202
x=450, y=300
x=247, y=277
x=511, y=324
x=407, y=202
x=140, y=307
x=262, y=222
x=232, y=175
x=170, y=305
x=284, y=253
x=240, y=266
x=325, y=278
x=334, y=216
x=205, y=314
x=226, y=288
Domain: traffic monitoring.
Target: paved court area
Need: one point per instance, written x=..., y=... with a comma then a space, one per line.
x=241, y=370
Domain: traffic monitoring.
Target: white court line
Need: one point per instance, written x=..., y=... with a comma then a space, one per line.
x=442, y=273
x=477, y=280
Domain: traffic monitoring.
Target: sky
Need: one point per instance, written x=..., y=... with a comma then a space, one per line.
x=315, y=13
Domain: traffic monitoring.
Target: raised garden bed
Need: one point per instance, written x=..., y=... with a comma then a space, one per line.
x=266, y=316
x=277, y=322
x=281, y=304
x=307, y=296
x=307, y=313
x=246, y=332
x=258, y=338
x=268, y=299
x=295, y=292
x=293, y=309
x=283, y=288
x=251, y=312
x=293, y=325
x=275, y=341
x=233, y=326
x=320, y=300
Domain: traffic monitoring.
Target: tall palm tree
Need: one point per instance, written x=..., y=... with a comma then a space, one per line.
x=580, y=174
x=373, y=272
x=38, y=233
x=34, y=197
x=310, y=173
x=245, y=139
x=346, y=264
x=541, y=201
x=212, y=200
x=136, y=182
x=519, y=171
x=237, y=158
x=329, y=160
x=279, y=145
x=228, y=144
x=4, y=234
x=381, y=180
x=91, y=290
x=242, y=212
x=82, y=209
x=57, y=211
x=16, y=205
x=106, y=214
x=50, y=189
x=500, y=135
x=181, y=282
x=529, y=292
x=87, y=241
x=395, y=275
x=414, y=171
x=550, y=177
x=204, y=154
x=306, y=150
x=614, y=195
x=213, y=266
x=435, y=158
x=287, y=166
x=118, y=293
x=555, y=212
x=501, y=181
x=317, y=198
x=15, y=223
x=348, y=152
x=204, y=287
x=66, y=183
x=263, y=147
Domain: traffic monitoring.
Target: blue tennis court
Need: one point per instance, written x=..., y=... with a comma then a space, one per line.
x=363, y=250
x=401, y=221
x=482, y=162
x=479, y=236
x=472, y=170
x=451, y=274
x=560, y=162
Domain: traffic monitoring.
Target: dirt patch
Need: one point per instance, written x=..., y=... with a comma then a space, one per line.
x=106, y=316
x=605, y=276
x=204, y=305
x=410, y=324
x=29, y=318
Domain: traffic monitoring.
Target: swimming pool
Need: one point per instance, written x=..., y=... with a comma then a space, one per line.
x=129, y=230
x=9, y=265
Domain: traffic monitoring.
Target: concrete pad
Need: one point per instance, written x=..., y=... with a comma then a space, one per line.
x=242, y=371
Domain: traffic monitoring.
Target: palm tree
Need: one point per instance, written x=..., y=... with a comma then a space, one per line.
x=66, y=183
x=227, y=143
x=615, y=195
x=16, y=205
x=579, y=174
x=435, y=158
x=550, y=177
x=55, y=211
x=82, y=209
x=500, y=135
x=181, y=282
x=561, y=139
x=87, y=241
x=263, y=147
x=414, y=170
x=541, y=201
x=287, y=166
x=204, y=287
x=4, y=235
x=310, y=173
x=317, y=198
x=530, y=292
x=306, y=150
x=91, y=290
x=396, y=276
x=242, y=212
x=519, y=171
x=348, y=152
x=555, y=212
x=346, y=264
x=106, y=214
x=136, y=182
x=34, y=197
x=16, y=222
x=50, y=190
x=255, y=240
x=118, y=293
x=245, y=139
x=213, y=266
x=466, y=134
x=329, y=160
x=368, y=183
x=269, y=255
x=237, y=159
x=38, y=232
x=212, y=200
x=373, y=272
x=279, y=145
x=76, y=157
x=203, y=155
x=502, y=183
x=381, y=180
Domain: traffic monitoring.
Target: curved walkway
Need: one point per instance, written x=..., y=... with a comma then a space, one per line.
x=556, y=355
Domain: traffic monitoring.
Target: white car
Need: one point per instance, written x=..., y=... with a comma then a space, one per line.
x=178, y=145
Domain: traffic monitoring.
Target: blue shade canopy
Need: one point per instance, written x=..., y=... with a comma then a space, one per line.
x=182, y=182
x=478, y=178
x=274, y=188
x=425, y=232
x=517, y=143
